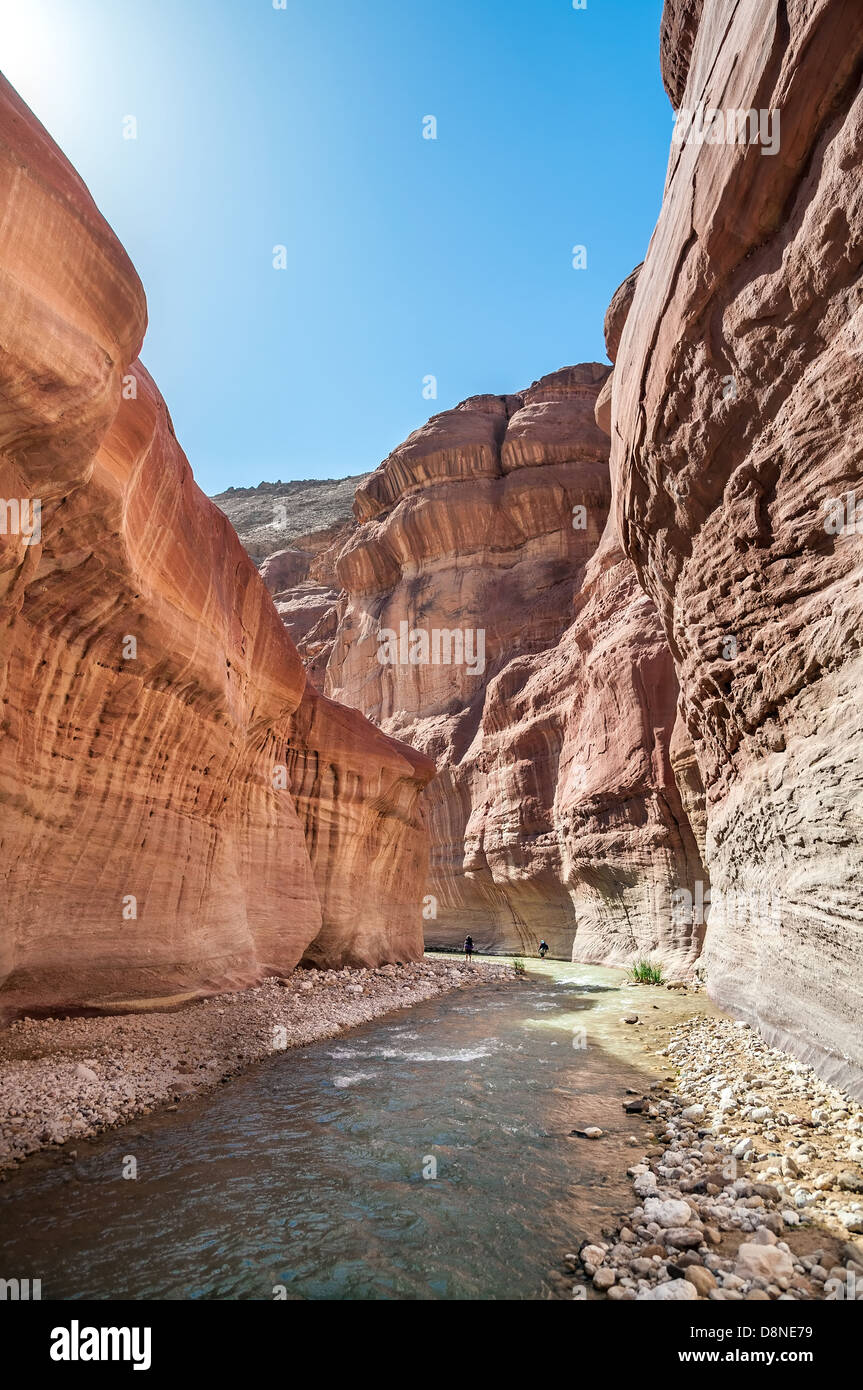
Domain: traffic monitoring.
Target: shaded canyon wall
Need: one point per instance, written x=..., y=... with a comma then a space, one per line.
x=736, y=461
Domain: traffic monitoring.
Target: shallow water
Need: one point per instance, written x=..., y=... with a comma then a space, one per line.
x=308, y=1170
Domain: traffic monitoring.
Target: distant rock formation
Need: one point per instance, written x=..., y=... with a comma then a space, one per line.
x=555, y=812
x=180, y=811
x=304, y=515
x=736, y=461
x=285, y=568
x=301, y=576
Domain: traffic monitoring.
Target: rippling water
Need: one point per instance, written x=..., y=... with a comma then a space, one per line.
x=308, y=1171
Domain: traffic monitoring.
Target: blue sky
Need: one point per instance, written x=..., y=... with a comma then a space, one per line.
x=406, y=257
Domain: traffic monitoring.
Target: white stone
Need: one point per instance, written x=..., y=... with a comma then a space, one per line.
x=592, y=1255
x=668, y=1213
x=645, y=1184
x=675, y=1290
x=765, y=1262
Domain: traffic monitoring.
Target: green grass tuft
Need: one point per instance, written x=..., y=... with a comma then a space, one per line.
x=647, y=972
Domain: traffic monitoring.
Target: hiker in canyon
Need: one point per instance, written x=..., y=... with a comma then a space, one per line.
x=543, y=950
x=468, y=947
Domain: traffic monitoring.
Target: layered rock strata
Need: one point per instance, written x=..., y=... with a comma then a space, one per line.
x=736, y=460
x=555, y=811
x=179, y=810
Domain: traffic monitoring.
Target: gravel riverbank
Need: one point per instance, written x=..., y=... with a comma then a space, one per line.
x=63, y=1079
x=751, y=1187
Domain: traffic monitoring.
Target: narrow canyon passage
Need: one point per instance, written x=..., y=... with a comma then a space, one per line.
x=307, y=1171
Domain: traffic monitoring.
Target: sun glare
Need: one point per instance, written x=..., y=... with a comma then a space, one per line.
x=37, y=47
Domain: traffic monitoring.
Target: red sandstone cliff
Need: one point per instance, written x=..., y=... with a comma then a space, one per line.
x=179, y=809
x=736, y=464
x=555, y=812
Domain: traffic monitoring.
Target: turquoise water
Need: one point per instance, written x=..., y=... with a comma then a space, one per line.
x=423, y=1156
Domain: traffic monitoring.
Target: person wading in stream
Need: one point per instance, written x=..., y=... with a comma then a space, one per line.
x=468, y=947
x=543, y=950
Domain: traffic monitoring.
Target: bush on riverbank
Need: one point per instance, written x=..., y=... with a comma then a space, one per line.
x=647, y=972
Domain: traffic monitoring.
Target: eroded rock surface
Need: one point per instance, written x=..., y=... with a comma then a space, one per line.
x=555, y=811
x=736, y=459
x=181, y=811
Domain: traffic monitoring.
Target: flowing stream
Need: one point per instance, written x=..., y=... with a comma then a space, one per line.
x=312, y=1175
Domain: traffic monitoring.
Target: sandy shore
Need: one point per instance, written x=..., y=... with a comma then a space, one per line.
x=750, y=1186
x=70, y=1078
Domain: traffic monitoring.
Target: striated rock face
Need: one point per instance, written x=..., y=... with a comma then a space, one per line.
x=736, y=456
x=555, y=812
x=306, y=593
x=573, y=810
x=309, y=610
x=617, y=313
x=680, y=20
x=179, y=810
x=356, y=793
x=492, y=553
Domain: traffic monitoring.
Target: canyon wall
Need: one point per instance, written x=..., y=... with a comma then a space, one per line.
x=736, y=457
x=294, y=533
x=180, y=810
x=555, y=811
